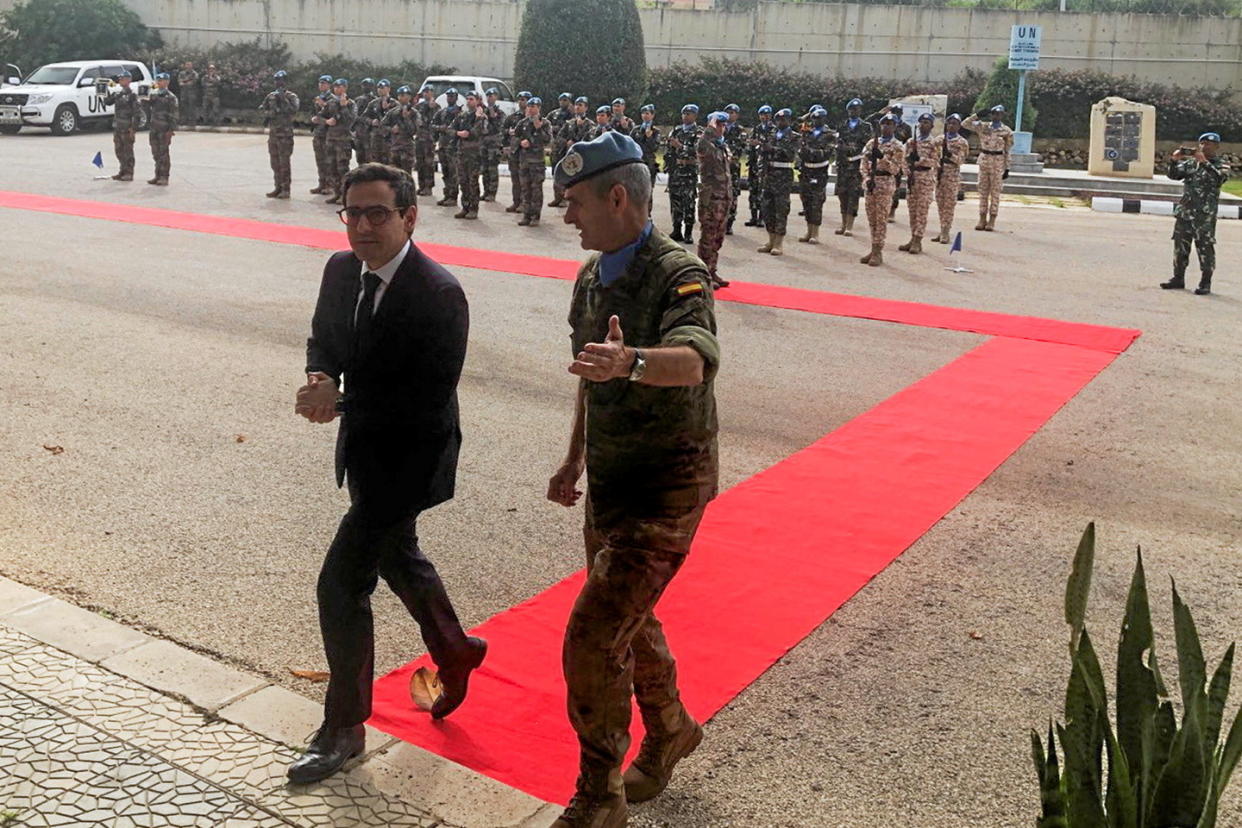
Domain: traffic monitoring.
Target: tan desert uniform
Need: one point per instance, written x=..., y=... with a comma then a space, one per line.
x=921, y=161
x=951, y=151
x=882, y=162
x=994, y=146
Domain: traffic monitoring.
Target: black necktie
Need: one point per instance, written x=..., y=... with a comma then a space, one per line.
x=366, y=307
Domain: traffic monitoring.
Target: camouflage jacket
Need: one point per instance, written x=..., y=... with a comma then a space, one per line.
x=1201, y=185
x=648, y=139
x=125, y=116
x=574, y=130
x=468, y=120
x=378, y=109
x=442, y=126
x=815, y=151
x=345, y=114
x=649, y=448
x=558, y=118
x=922, y=157
x=735, y=136
x=280, y=106
x=187, y=80
x=683, y=143
x=507, y=128
x=403, y=124
x=950, y=152
x=163, y=110
x=496, y=134
x=211, y=86
x=599, y=130
x=850, y=141
x=715, y=159
x=426, y=116
x=362, y=124
x=781, y=147
x=624, y=124
x=318, y=104
x=991, y=139
x=538, y=136
x=883, y=158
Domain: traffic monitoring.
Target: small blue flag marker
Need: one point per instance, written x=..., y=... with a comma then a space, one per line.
x=98, y=160
x=957, y=243
x=957, y=248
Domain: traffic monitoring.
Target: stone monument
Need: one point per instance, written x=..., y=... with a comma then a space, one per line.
x=1123, y=139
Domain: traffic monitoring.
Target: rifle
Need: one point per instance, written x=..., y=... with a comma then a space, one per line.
x=876, y=155
x=944, y=158
x=912, y=157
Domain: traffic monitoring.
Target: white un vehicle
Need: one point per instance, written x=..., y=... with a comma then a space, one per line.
x=465, y=84
x=67, y=96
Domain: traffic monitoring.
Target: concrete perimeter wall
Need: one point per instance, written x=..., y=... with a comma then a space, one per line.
x=909, y=42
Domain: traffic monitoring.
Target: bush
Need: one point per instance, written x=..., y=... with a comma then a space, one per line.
x=585, y=47
x=1002, y=88
x=45, y=31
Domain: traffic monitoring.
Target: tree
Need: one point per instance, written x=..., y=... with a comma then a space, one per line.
x=1002, y=88
x=46, y=31
x=585, y=47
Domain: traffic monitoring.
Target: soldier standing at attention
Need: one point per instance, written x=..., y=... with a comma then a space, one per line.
x=124, y=123
x=903, y=134
x=278, y=109
x=446, y=147
x=950, y=151
x=995, y=142
x=187, y=93
x=362, y=124
x=681, y=162
x=511, y=149
x=779, y=151
x=715, y=192
x=620, y=121
x=340, y=114
x=319, y=135
x=560, y=144
x=644, y=430
x=469, y=127
x=211, y=95
x=603, y=122
x=735, y=137
x=754, y=162
x=1202, y=175
x=884, y=158
x=815, y=154
x=378, y=138
x=163, y=109
x=852, y=135
x=402, y=125
x=921, y=161
x=425, y=142
x=647, y=136
x=534, y=135
x=493, y=141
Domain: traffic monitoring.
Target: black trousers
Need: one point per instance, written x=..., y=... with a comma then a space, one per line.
x=376, y=538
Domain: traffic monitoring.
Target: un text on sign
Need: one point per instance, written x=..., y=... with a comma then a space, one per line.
x=1024, y=47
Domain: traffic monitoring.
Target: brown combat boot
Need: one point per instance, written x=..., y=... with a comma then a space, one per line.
x=877, y=256
x=906, y=247
x=867, y=258
x=153, y=181
x=600, y=805
x=283, y=194
x=525, y=222
x=274, y=193
x=671, y=737
x=812, y=234
x=916, y=245
x=991, y=223
x=513, y=208
x=462, y=213
x=767, y=248
x=845, y=221
x=983, y=223
x=334, y=200
x=473, y=214
x=161, y=182
x=778, y=243
x=849, y=225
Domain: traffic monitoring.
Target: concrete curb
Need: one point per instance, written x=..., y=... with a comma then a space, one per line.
x=1154, y=208
x=453, y=794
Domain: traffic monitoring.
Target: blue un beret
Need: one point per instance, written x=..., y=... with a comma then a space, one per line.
x=341, y=82
x=404, y=90
x=163, y=76
x=618, y=102
x=603, y=110
x=1210, y=136
x=890, y=117
x=853, y=102
x=927, y=116
x=384, y=82
x=732, y=108
x=526, y=95
x=953, y=117
x=718, y=116
x=368, y=81
x=587, y=159
x=690, y=108
x=124, y=73
x=581, y=99
x=784, y=113
x=765, y=110
x=535, y=101
x=325, y=79
x=281, y=74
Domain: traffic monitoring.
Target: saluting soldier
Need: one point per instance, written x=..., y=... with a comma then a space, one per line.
x=402, y=125
x=319, y=135
x=815, y=154
x=620, y=121
x=163, y=110
x=779, y=151
x=493, y=142
x=362, y=124
x=735, y=137
x=340, y=114
x=681, y=162
x=884, y=159
x=852, y=136
x=1202, y=175
x=995, y=142
x=921, y=163
x=446, y=147
x=534, y=135
x=211, y=95
x=379, y=138
x=425, y=141
x=950, y=151
x=603, y=122
x=647, y=135
x=469, y=127
x=715, y=192
x=124, y=123
x=278, y=109
x=563, y=114
x=754, y=162
x=187, y=93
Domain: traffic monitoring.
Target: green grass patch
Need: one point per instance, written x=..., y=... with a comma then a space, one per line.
x=1233, y=186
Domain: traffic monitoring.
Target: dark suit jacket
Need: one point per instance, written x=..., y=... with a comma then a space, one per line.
x=399, y=435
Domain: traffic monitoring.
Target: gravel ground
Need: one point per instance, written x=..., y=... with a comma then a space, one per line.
x=147, y=353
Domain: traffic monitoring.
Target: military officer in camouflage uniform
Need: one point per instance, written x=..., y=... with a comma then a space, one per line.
x=754, y=162
x=995, y=142
x=512, y=149
x=647, y=135
x=815, y=154
x=579, y=127
x=902, y=133
x=425, y=142
x=446, y=147
x=278, y=109
x=211, y=95
x=715, y=191
x=362, y=124
x=951, y=150
x=852, y=135
x=493, y=142
x=735, y=137
x=603, y=122
x=884, y=159
x=402, y=126
x=339, y=114
x=644, y=430
x=620, y=121
x=921, y=164
x=779, y=151
x=319, y=135
x=564, y=113
x=534, y=136
x=379, y=138
x=469, y=127
x=1202, y=175
x=681, y=162
x=187, y=93
x=124, y=122
x=163, y=110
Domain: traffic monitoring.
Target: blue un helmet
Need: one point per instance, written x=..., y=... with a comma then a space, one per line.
x=581, y=99
x=694, y=108
x=341, y=82
x=732, y=108
x=525, y=96
x=325, y=79
x=784, y=113
x=618, y=101
x=385, y=82
x=648, y=108
x=163, y=76
x=426, y=88
x=281, y=75
x=927, y=116
x=1214, y=137
x=564, y=96
x=765, y=110
x=368, y=81
x=854, y=102
x=404, y=90
x=535, y=101
x=451, y=91
x=603, y=110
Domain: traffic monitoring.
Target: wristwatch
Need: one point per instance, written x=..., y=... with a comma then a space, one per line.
x=639, y=367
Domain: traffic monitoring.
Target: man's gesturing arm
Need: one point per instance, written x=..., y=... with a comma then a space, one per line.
x=667, y=365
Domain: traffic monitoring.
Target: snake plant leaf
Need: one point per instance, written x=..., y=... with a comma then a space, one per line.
x=1180, y=792
x=1136, y=682
x=1084, y=803
x=1078, y=588
x=1208, y=819
x=1120, y=799
x=1230, y=753
x=1085, y=708
x=1218, y=693
x=1191, y=667
x=1051, y=791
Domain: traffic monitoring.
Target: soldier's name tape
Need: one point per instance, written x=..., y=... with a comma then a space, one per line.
x=1104, y=204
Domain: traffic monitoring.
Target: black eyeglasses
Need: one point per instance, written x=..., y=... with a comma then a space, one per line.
x=375, y=215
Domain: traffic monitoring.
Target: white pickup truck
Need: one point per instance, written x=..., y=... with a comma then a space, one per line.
x=65, y=96
x=465, y=84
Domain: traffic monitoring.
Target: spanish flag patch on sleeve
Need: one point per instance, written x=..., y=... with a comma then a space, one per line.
x=687, y=289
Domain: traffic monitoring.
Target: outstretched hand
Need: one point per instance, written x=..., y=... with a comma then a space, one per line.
x=607, y=360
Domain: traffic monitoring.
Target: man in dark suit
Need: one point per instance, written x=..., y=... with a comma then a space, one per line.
x=393, y=323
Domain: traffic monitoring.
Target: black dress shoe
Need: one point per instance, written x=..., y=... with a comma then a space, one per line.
x=456, y=677
x=331, y=748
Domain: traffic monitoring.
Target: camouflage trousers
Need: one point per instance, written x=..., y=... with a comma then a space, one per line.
x=1200, y=231
x=921, y=191
x=714, y=215
x=615, y=649
x=188, y=98
x=532, y=190
x=814, y=192
x=211, y=109
x=879, y=205
x=735, y=174
x=849, y=188
x=515, y=179
x=558, y=192
x=322, y=167
x=362, y=144
x=468, y=157
x=946, y=198
x=123, y=144
x=279, y=152
x=991, y=168
x=425, y=159
x=754, y=189
x=777, y=186
x=683, y=185
x=340, y=157
x=448, y=172
x=161, y=142
x=491, y=170
x=403, y=154
x=379, y=147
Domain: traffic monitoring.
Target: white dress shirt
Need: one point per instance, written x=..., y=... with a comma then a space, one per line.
x=385, y=273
